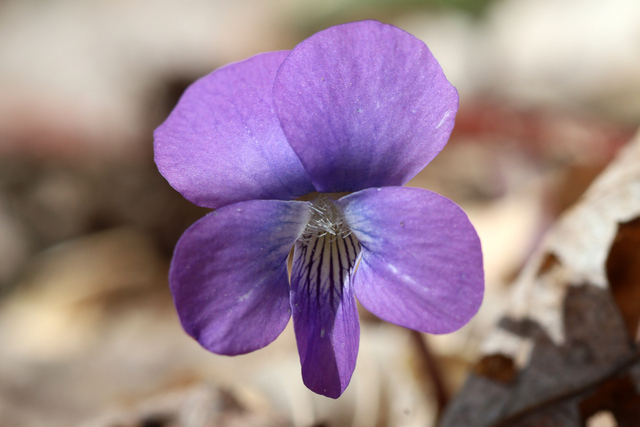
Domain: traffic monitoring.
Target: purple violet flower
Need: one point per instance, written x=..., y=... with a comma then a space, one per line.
x=361, y=108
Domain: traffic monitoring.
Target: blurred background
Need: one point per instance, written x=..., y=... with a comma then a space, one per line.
x=549, y=89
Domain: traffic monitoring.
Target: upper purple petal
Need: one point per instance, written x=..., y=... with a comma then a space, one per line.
x=223, y=143
x=325, y=316
x=421, y=264
x=364, y=104
x=228, y=275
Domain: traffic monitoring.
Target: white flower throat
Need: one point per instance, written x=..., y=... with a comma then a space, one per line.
x=325, y=256
x=326, y=220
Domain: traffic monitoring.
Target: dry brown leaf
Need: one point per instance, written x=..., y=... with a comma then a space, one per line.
x=568, y=350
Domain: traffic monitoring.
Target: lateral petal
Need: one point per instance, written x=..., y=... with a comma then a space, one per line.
x=223, y=143
x=421, y=264
x=364, y=104
x=228, y=275
x=325, y=316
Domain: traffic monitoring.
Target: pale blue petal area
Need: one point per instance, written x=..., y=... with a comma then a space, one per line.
x=421, y=264
x=223, y=142
x=364, y=104
x=228, y=276
x=325, y=316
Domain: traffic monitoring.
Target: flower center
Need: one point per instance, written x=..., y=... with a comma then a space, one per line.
x=326, y=220
x=324, y=259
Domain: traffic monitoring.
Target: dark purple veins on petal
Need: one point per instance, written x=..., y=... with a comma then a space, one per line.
x=324, y=311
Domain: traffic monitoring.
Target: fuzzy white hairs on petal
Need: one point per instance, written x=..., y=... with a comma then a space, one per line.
x=326, y=220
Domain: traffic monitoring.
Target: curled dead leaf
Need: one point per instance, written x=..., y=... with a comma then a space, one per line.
x=571, y=330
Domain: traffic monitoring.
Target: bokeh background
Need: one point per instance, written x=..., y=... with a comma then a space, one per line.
x=549, y=89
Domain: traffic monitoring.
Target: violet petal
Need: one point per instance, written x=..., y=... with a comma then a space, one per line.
x=325, y=316
x=364, y=104
x=229, y=274
x=421, y=264
x=223, y=143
